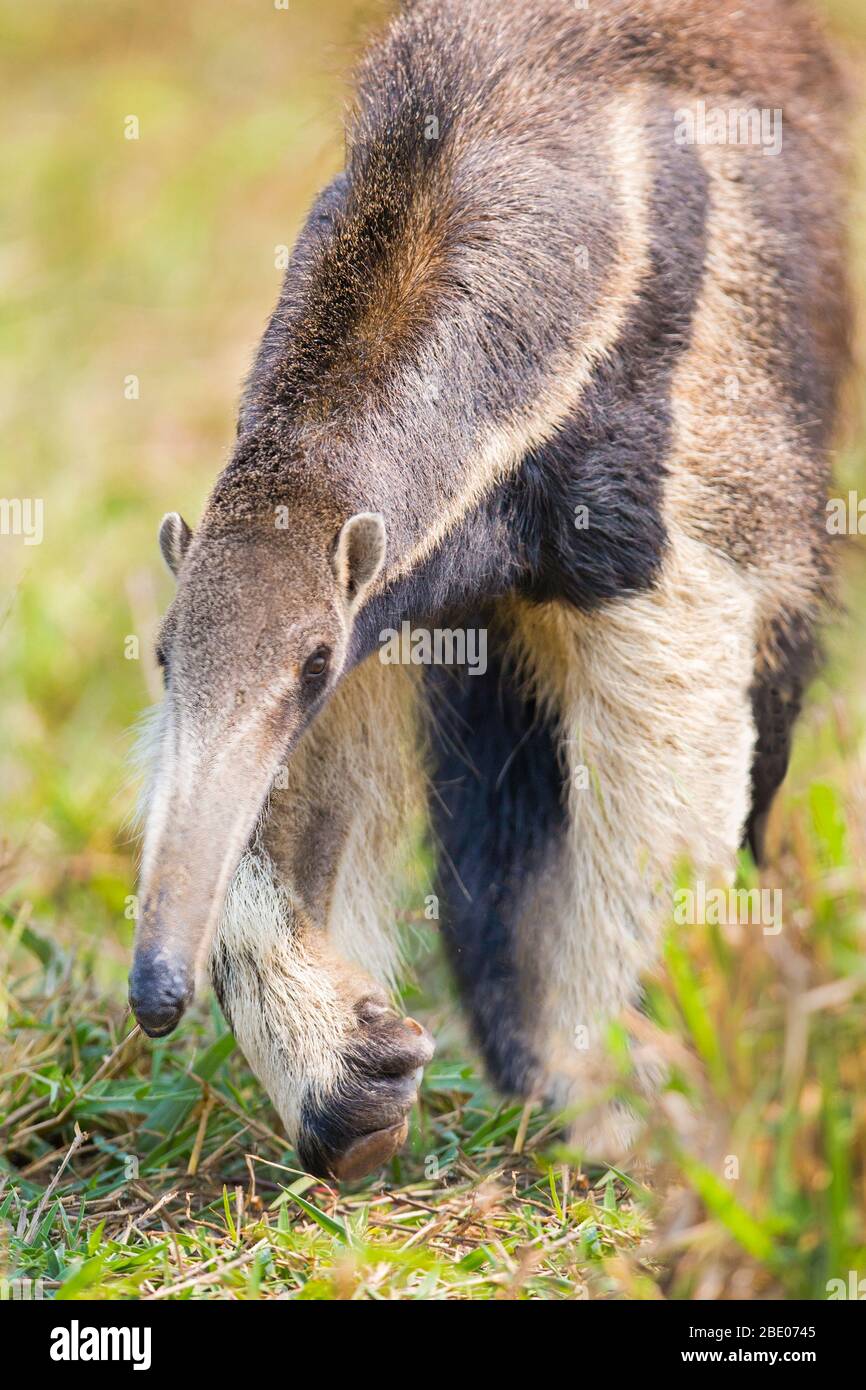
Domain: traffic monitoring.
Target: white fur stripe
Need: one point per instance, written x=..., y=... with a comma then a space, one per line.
x=571, y=371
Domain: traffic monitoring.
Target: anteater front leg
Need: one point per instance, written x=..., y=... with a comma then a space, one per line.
x=600, y=750
x=652, y=695
x=305, y=959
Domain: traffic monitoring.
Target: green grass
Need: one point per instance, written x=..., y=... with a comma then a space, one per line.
x=178, y=1184
x=130, y=1169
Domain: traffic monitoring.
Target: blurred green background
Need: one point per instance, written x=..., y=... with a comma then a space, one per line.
x=135, y=279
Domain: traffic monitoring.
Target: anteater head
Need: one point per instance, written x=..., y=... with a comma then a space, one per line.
x=253, y=644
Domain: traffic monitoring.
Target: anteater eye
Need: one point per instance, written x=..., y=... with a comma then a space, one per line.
x=316, y=665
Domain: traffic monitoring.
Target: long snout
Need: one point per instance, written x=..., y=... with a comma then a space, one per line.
x=197, y=829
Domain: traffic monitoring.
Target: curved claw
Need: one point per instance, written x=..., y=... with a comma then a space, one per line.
x=370, y=1152
x=357, y=1127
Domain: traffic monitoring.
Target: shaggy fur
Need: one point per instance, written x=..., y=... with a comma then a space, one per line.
x=540, y=368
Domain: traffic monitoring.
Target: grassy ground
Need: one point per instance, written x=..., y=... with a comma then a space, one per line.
x=136, y=275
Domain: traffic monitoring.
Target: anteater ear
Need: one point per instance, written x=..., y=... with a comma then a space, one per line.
x=360, y=552
x=174, y=539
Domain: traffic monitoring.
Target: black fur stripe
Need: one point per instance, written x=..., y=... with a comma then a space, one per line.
x=497, y=811
x=777, y=699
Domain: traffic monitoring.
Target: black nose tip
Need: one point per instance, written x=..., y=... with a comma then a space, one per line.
x=160, y=1021
x=158, y=996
